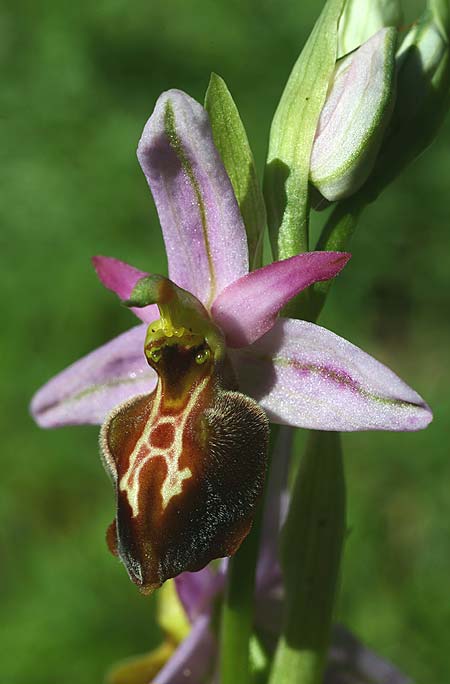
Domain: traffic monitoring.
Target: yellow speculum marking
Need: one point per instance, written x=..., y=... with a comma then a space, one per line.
x=144, y=451
x=162, y=333
x=179, y=310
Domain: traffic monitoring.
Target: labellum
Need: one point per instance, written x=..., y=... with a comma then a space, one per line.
x=188, y=460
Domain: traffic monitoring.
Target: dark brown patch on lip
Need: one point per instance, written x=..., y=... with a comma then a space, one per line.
x=162, y=436
x=111, y=538
x=224, y=446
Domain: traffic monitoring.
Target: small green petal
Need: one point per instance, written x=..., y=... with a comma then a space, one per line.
x=231, y=140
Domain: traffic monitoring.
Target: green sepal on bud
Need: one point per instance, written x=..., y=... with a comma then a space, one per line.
x=354, y=118
x=423, y=90
x=181, y=313
x=361, y=19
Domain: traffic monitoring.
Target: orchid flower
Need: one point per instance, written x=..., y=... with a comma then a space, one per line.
x=185, y=395
x=190, y=652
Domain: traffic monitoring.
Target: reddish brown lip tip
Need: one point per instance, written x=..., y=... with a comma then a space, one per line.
x=148, y=589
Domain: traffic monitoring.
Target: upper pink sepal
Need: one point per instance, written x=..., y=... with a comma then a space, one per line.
x=306, y=376
x=248, y=308
x=205, y=238
x=121, y=278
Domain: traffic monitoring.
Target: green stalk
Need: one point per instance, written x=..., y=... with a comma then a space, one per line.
x=338, y=230
x=311, y=551
x=237, y=612
x=336, y=236
x=314, y=532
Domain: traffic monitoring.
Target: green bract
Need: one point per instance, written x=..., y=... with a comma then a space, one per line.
x=292, y=136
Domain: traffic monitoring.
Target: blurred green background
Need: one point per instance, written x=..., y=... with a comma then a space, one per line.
x=79, y=81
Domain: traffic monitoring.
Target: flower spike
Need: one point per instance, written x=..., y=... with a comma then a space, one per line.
x=186, y=451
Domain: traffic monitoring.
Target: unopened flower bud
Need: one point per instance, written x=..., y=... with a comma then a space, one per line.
x=354, y=117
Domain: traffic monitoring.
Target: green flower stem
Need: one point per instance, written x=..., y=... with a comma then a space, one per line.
x=338, y=230
x=336, y=236
x=237, y=613
x=314, y=531
x=311, y=551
